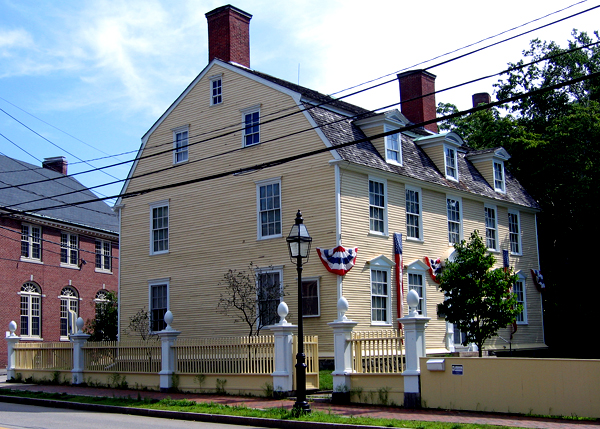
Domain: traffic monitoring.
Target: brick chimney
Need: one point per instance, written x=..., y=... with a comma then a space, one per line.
x=481, y=97
x=57, y=163
x=413, y=85
x=229, y=35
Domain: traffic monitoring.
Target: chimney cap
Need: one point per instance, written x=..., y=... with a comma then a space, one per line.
x=223, y=8
x=419, y=71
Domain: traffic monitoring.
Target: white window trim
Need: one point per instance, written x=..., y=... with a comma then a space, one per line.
x=421, y=237
x=248, y=111
x=275, y=269
x=518, y=215
x=381, y=263
x=260, y=183
x=503, y=189
x=387, y=128
x=212, y=79
x=151, y=207
x=102, y=269
x=497, y=237
x=30, y=295
x=418, y=267
x=385, y=232
x=450, y=177
x=460, y=213
x=157, y=282
x=523, y=279
x=30, y=243
x=183, y=128
x=68, y=298
x=68, y=264
x=318, y=280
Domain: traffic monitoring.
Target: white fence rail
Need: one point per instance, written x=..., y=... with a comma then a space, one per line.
x=44, y=356
x=131, y=356
x=377, y=352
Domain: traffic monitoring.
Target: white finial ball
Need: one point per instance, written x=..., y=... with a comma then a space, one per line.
x=342, y=305
x=283, y=310
x=12, y=327
x=168, y=317
x=79, y=323
x=412, y=298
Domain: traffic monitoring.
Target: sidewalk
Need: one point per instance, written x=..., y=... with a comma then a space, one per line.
x=345, y=410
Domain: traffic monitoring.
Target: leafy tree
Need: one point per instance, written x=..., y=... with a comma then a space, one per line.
x=478, y=299
x=104, y=326
x=249, y=300
x=554, y=141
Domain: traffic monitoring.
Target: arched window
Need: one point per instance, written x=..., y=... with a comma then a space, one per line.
x=31, y=310
x=101, y=296
x=69, y=302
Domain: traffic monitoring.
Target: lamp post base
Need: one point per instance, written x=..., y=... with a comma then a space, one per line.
x=301, y=407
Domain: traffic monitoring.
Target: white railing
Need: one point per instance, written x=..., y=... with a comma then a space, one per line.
x=311, y=352
x=56, y=356
x=130, y=356
x=377, y=352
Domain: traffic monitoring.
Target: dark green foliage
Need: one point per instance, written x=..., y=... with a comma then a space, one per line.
x=104, y=327
x=477, y=298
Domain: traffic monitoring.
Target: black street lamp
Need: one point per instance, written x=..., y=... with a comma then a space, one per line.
x=299, y=245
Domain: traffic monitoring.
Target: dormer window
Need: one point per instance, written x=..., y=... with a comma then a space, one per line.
x=451, y=163
x=499, y=183
x=393, y=147
x=216, y=90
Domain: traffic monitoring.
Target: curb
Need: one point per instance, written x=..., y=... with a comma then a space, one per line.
x=180, y=415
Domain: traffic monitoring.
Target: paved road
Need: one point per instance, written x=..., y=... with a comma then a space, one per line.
x=17, y=416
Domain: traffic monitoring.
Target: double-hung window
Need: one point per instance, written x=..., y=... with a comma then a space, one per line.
x=413, y=213
x=103, y=255
x=251, y=123
x=180, y=144
x=377, y=207
x=31, y=242
x=415, y=282
x=451, y=162
x=269, y=296
x=393, y=147
x=514, y=232
x=381, y=275
x=159, y=228
x=491, y=228
x=268, y=195
x=69, y=249
x=499, y=183
x=69, y=310
x=31, y=310
x=453, y=206
x=310, y=298
x=519, y=291
x=159, y=304
x=216, y=90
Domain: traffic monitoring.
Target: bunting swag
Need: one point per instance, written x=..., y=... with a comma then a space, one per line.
x=435, y=267
x=338, y=260
x=538, y=280
x=399, y=273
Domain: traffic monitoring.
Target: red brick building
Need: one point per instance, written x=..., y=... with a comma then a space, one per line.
x=56, y=259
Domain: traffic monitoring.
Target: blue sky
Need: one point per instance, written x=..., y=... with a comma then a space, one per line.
x=91, y=77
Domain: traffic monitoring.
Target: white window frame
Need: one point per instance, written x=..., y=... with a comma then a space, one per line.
x=522, y=281
x=388, y=150
x=30, y=240
x=460, y=222
x=153, y=206
x=68, y=301
x=418, y=267
x=30, y=293
x=499, y=183
x=267, y=209
x=216, y=91
x=451, y=163
x=491, y=228
x=512, y=235
x=181, y=152
x=69, y=248
x=381, y=264
x=266, y=271
x=377, y=207
x=251, y=111
x=103, y=252
x=420, y=236
x=155, y=284
x=318, y=281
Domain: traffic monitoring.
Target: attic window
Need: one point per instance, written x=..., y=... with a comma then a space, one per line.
x=393, y=147
x=216, y=95
x=499, y=183
x=450, y=160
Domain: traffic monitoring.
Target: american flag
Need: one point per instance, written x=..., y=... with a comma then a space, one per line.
x=399, y=272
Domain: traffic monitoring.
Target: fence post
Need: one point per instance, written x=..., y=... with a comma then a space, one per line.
x=78, y=339
x=283, y=331
x=414, y=336
x=168, y=364
x=12, y=339
x=342, y=354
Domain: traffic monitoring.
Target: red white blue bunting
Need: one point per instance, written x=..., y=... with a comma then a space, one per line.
x=435, y=267
x=338, y=260
x=538, y=280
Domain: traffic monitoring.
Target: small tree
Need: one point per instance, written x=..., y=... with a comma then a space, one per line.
x=104, y=326
x=478, y=299
x=251, y=298
x=139, y=324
